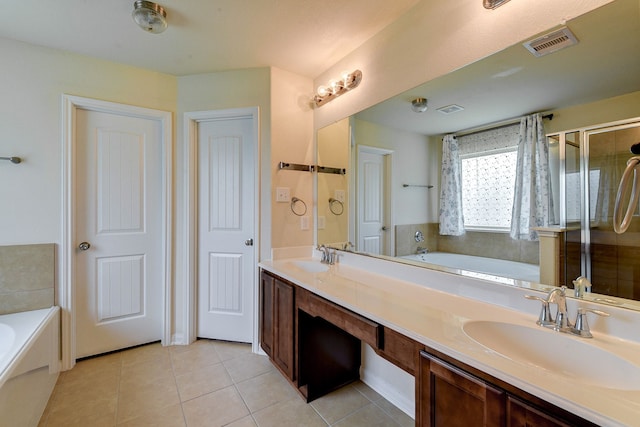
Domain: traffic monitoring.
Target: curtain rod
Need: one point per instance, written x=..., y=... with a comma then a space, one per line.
x=495, y=125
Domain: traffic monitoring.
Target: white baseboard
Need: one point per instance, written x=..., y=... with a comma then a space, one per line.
x=178, y=339
x=391, y=382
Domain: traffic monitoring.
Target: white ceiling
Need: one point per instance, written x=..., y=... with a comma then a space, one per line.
x=308, y=36
x=605, y=63
x=301, y=36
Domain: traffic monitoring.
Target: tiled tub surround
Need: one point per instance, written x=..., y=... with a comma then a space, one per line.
x=431, y=307
x=476, y=243
x=27, y=277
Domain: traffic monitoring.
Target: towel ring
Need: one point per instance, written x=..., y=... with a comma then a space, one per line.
x=620, y=223
x=295, y=200
x=332, y=203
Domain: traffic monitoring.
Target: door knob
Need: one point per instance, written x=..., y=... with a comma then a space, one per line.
x=248, y=242
x=384, y=228
x=84, y=246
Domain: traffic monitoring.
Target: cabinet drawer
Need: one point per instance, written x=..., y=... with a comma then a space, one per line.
x=358, y=326
x=400, y=350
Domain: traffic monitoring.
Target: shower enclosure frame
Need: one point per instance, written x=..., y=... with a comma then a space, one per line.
x=584, y=133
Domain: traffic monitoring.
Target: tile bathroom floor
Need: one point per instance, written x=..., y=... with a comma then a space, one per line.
x=208, y=383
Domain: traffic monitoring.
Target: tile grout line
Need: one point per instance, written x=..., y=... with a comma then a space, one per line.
x=234, y=386
x=388, y=414
x=115, y=413
x=173, y=371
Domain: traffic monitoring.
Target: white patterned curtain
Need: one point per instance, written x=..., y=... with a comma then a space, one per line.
x=451, y=218
x=531, y=201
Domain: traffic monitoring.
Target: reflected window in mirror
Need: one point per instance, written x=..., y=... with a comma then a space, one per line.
x=487, y=190
x=489, y=161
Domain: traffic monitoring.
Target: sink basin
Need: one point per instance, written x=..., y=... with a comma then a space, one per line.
x=310, y=266
x=558, y=353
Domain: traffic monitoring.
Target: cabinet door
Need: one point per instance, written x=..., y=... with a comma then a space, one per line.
x=450, y=397
x=521, y=414
x=266, y=312
x=283, y=351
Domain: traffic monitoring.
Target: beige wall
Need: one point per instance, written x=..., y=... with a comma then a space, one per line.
x=333, y=151
x=416, y=161
x=292, y=142
x=604, y=111
x=33, y=81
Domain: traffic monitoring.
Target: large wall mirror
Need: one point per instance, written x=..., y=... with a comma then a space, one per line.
x=388, y=202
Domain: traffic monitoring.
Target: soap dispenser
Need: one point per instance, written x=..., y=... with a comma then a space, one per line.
x=580, y=286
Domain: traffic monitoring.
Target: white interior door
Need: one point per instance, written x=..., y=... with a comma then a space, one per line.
x=373, y=230
x=118, y=231
x=226, y=218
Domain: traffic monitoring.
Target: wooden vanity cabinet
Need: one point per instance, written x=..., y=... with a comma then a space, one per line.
x=267, y=284
x=448, y=395
x=315, y=343
x=522, y=414
x=400, y=350
x=277, y=322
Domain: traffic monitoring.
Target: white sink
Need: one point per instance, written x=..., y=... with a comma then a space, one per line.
x=310, y=266
x=556, y=352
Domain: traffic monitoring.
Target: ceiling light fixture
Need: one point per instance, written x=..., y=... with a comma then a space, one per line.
x=149, y=16
x=419, y=105
x=335, y=88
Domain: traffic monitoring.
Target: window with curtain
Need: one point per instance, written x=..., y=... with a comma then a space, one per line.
x=489, y=161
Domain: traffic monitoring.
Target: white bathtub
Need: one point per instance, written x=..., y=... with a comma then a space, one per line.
x=29, y=364
x=489, y=266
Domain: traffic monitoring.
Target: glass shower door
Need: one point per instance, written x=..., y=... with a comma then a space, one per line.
x=611, y=261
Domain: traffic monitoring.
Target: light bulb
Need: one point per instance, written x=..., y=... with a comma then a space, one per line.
x=323, y=91
x=335, y=86
x=346, y=77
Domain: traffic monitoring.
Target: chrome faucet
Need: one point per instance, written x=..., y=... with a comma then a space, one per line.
x=327, y=255
x=545, y=318
x=582, y=327
x=324, y=254
x=558, y=296
x=348, y=246
x=561, y=323
x=580, y=286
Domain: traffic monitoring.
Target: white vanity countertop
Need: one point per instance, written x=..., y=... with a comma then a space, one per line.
x=436, y=319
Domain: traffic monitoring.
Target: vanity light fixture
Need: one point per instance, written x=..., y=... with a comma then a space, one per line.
x=419, y=105
x=149, y=16
x=492, y=4
x=335, y=88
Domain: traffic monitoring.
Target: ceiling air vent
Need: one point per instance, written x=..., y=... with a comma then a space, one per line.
x=450, y=109
x=551, y=42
